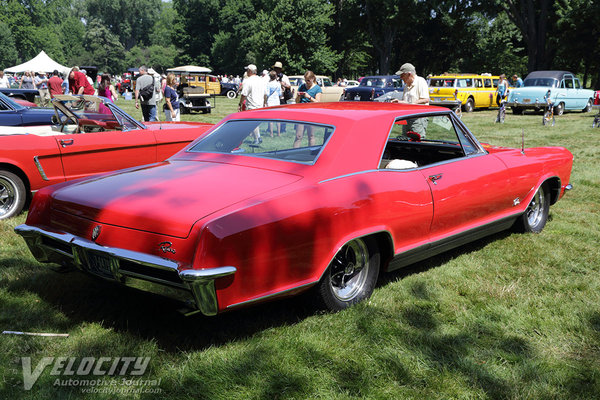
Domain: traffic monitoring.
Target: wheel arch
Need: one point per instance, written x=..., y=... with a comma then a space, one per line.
x=19, y=172
x=382, y=238
x=554, y=185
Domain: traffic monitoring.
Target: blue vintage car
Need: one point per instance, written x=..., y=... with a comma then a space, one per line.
x=372, y=87
x=566, y=93
x=13, y=114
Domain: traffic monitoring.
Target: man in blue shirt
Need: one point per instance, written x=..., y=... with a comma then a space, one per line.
x=517, y=82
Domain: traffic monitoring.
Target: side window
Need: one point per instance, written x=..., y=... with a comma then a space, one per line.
x=577, y=84
x=478, y=83
x=418, y=142
x=487, y=83
x=495, y=82
x=562, y=84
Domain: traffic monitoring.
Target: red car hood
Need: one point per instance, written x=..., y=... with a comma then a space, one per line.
x=166, y=198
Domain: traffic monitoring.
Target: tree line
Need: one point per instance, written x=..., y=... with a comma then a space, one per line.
x=347, y=38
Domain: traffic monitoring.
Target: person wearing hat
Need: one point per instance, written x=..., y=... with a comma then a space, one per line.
x=286, y=87
x=254, y=92
x=416, y=91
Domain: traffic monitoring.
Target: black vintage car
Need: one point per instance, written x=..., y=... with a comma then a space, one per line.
x=372, y=87
x=229, y=89
x=22, y=94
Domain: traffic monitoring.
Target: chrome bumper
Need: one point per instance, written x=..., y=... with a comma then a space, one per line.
x=139, y=270
x=445, y=103
x=535, y=105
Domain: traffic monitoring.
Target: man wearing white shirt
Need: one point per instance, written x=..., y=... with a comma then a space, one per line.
x=4, y=82
x=254, y=92
x=416, y=91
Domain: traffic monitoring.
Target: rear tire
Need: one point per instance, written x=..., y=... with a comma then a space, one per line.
x=12, y=194
x=351, y=276
x=232, y=94
x=588, y=106
x=535, y=216
x=469, y=105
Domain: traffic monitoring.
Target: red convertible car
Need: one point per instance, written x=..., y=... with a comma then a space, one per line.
x=91, y=135
x=347, y=191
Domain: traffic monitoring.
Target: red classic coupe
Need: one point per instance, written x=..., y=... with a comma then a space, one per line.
x=91, y=135
x=346, y=190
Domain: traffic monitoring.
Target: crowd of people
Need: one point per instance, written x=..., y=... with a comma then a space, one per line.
x=269, y=88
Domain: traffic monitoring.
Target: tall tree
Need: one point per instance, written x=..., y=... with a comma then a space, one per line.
x=131, y=21
x=534, y=19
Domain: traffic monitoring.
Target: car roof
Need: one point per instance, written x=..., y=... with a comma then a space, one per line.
x=465, y=75
x=381, y=76
x=548, y=74
x=361, y=131
x=327, y=112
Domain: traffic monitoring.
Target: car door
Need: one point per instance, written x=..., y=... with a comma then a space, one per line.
x=96, y=152
x=8, y=115
x=469, y=186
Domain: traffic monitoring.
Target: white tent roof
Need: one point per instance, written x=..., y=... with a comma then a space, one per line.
x=41, y=62
x=190, y=69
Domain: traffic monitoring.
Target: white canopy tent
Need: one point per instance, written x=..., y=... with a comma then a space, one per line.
x=189, y=69
x=41, y=62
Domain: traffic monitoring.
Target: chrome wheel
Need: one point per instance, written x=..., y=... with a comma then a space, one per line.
x=231, y=94
x=534, y=218
x=349, y=270
x=351, y=275
x=12, y=194
x=535, y=210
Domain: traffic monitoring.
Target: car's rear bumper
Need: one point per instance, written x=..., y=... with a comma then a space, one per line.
x=444, y=103
x=139, y=270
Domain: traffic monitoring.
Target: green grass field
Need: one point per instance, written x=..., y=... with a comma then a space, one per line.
x=512, y=316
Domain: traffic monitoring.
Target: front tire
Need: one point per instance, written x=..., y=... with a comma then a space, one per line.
x=535, y=216
x=232, y=94
x=12, y=194
x=559, y=109
x=351, y=276
x=588, y=106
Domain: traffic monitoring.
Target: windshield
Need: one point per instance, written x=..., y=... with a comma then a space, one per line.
x=550, y=82
x=435, y=82
x=373, y=82
x=292, y=140
x=6, y=103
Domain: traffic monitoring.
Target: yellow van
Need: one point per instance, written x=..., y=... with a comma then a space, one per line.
x=470, y=91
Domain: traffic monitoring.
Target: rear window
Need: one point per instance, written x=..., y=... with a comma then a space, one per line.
x=442, y=82
x=551, y=82
x=373, y=82
x=300, y=141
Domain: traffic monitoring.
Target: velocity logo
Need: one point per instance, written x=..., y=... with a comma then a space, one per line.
x=86, y=366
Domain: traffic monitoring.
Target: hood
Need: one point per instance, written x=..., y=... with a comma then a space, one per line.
x=166, y=198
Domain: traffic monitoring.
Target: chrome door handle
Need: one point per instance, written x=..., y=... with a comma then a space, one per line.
x=435, y=178
x=65, y=143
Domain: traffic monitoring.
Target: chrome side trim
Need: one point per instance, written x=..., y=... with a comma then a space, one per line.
x=162, y=276
x=36, y=160
x=347, y=175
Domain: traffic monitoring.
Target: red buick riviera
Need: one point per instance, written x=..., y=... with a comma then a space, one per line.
x=344, y=191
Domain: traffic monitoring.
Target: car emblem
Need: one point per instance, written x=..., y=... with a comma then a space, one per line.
x=96, y=232
x=166, y=247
